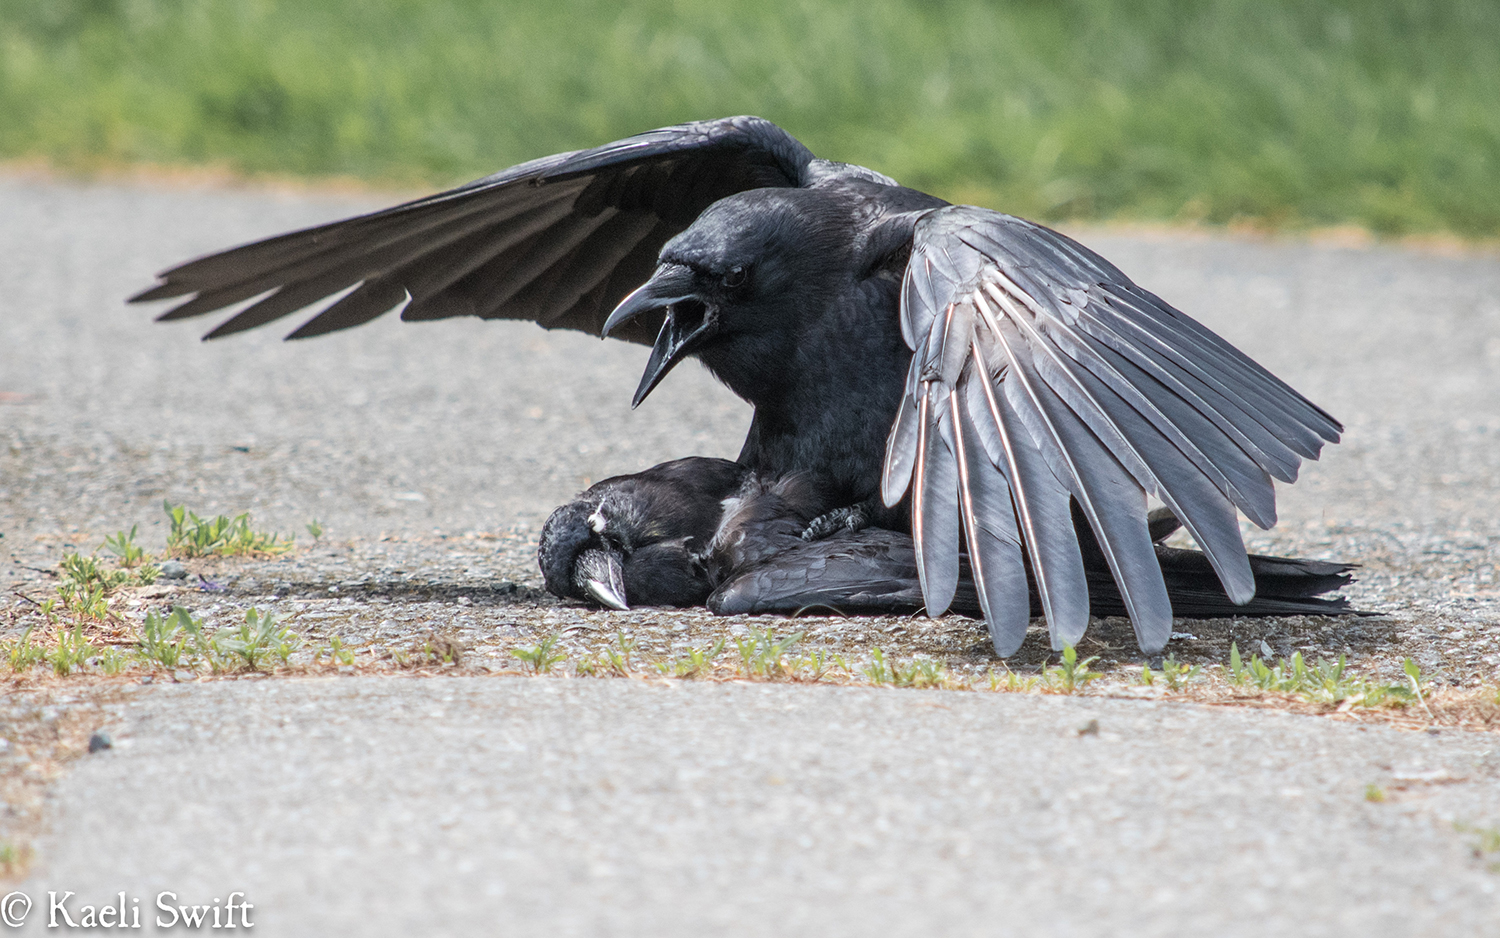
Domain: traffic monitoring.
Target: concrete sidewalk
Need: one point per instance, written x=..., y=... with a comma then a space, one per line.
x=516, y=806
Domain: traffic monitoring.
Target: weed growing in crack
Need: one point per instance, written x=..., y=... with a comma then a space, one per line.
x=1011, y=682
x=922, y=673
x=13, y=859
x=542, y=656
x=1485, y=844
x=1324, y=681
x=84, y=573
x=84, y=585
x=1071, y=675
x=617, y=659
x=112, y=661
x=129, y=554
x=696, y=663
x=1174, y=674
x=192, y=536
x=71, y=651
x=259, y=638
x=22, y=654
x=919, y=672
x=878, y=671
x=337, y=653
x=163, y=639
x=764, y=656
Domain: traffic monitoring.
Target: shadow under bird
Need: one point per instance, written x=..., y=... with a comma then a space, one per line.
x=951, y=372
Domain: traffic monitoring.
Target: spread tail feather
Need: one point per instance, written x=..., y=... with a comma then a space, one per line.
x=875, y=571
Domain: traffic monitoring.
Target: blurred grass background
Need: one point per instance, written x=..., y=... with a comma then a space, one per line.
x=1276, y=113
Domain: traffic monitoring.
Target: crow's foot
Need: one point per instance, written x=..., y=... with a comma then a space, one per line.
x=853, y=518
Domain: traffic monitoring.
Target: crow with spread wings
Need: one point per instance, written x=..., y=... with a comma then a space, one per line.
x=995, y=389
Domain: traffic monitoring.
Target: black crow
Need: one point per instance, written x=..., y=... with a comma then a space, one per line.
x=707, y=531
x=991, y=370
x=640, y=539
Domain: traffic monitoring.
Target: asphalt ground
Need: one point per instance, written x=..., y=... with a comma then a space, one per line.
x=430, y=454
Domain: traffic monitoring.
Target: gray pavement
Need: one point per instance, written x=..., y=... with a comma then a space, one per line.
x=385, y=806
x=515, y=806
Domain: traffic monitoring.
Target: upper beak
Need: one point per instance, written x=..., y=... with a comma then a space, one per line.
x=672, y=284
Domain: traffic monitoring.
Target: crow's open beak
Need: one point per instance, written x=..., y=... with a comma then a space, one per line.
x=688, y=321
x=601, y=574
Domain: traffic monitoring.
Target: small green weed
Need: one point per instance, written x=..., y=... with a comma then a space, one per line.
x=22, y=654
x=542, y=656
x=1374, y=793
x=259, y=638
x=192, y=536
x=1011, y=682
x=1323, y=681
x=338, y=653
x=617, y=660
x=815, y=665
x=71, y=652
x=1174, y=674
x=921, y=672
x=112, y=661
x=13, y=859
x=124, y=547
x=1414, y=675
x=85, y=585
x=85, y=573
x=1485, y=843
x=315, y=528
x=763, y=655
x=84, y=602
x=918, y=672
x=696, y=663
x=879, y=670
x=1071, y=675
x=163, y=639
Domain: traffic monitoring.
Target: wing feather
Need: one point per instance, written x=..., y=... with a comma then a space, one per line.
x=528, y=232
x=1114, y=504
x=994, y=544
x=1061, y=382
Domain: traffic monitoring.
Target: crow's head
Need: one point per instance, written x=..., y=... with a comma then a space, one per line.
x=738, y=280
x=586, y=544
x=639, y=540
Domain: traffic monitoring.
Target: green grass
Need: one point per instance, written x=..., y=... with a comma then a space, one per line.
x=1324, y=681
x=192, y=536
x=1285, y=112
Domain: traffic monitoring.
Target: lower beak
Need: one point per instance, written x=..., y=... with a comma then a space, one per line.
x=688, y=321
x=600, y=574
x=683, y=330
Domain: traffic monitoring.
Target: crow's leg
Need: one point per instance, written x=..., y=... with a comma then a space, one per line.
x=854, y=517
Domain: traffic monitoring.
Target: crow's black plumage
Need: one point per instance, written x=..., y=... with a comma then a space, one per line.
x=708, y=531
x=641, y=539
x=990, y=371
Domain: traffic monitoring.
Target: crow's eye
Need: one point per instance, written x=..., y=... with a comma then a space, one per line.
x=735, y=277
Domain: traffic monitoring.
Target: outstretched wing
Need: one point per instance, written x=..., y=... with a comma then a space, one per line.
x=559, y=240
x=1043, y=378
